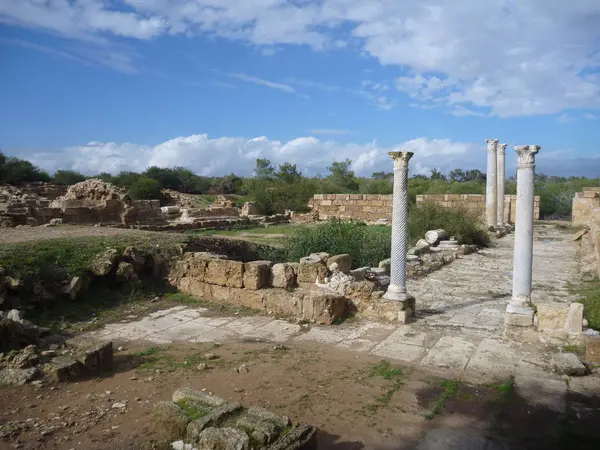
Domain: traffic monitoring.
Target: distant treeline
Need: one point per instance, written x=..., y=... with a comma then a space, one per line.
x=285, y=187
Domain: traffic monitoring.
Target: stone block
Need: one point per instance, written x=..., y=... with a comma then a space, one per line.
x=103, y=263
x=283, y=276
x=96, y=358
x=551, y=316
x=62, y=368
x=257, y=274
x=568, y=364
x=311, y=270
x=592, y=349
x=225, y=273
x=344, y=262
x=73, y=288
x=195, y=397
x=170, y=419
x=301, y=437
x=223, y=439
x=213, y=418
x=574, y=322
x=281, y=302
x=323, y=308
x=518, y=320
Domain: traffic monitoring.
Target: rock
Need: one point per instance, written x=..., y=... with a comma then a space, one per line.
x=31, y=221
x=126, y=272
x=312, y=269
x=96, y=357
x=73, y=288
x=580, y=234
x=433, y=237
x=119, y=405
x=213, y=418
x=551, y=316
x=242, y=369
x=12, y=283
x=268, y=416
x=249, y=209
x=196, y=397
x=386, y=265
x=63, y=368
x=210, y=356
x=359, y=274
x=202, y=366
x=568, y=364
x=56, y=221
x=15, y=335
x=344, y=262
x=283, y=276
x=23, y=359
x=257, y=274
x=171, y=419
x=18, y=377
x=223, y=439
x=301, y=437
x=136, y=257
x=103, y=263
x=574, y=322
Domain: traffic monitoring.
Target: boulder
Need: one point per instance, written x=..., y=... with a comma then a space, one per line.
x=136, y=257
x=126, y=273
x=283, y=276
x=344, y=262
x=170, y=419
x=18, y=377
x=223, y=439
x=213, y=418
x=257, y=274
x=568, y=364
x=103, y=263
x=63, y=368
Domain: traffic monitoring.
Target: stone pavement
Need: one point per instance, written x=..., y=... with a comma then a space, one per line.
x=458, y=331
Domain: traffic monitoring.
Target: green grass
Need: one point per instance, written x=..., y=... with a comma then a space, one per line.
x=507, y=387
x=589, y=293
x=147, y=351
x=192, y=410
x=394, y=378
x=450, y=390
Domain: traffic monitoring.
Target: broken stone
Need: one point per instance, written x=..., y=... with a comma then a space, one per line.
x=568, y=364
x=213, y=418
x=283, y=276
x=301, y=437
x=23, y=359
x=97, y=357
x=136, y=257
x=103, y=263
x=242, y=369
x=62, y=368
x=56, y=221
x=170, y=419
x=119, y=405
x=126, y=272
x=196, y=397
x=344, y=262
x=312, y=269
x=575, y=318
x=257, y=274
x=210, y=356
x=223, y=439
x=19, y=377
x=386, y=265
x=15, y=335
x=433, y=237
x=73, y=288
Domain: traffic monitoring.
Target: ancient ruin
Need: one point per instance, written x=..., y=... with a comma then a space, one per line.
x=491, y=191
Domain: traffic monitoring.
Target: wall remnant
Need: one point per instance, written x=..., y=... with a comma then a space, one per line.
x=586, y=212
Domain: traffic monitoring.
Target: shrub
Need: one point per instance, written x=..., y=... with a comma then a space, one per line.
x=367, y=245
x=145, y=188
x=67, y=177
x=465, y=224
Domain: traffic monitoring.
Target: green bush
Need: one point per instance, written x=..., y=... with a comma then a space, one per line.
x=67, y=177
x=467, y=225
x=367, y=245
x=145, y=188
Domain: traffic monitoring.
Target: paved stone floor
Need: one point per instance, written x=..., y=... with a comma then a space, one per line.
x=458, y=331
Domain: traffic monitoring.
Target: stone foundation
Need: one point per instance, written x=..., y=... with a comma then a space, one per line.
x=586, y=212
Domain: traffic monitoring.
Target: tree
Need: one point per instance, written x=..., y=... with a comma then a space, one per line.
x=127, y=179
x=263, y=169
x=382, y=175
x=343, y=176
x=106, y=177
x=67, y=177
x=18, y=171
x=231, y=184
x=289, y=173
x=437, y=175
x=167, y=178
x=145, y=188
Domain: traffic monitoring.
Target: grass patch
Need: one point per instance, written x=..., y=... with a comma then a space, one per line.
x=450, y=390
x=589, y=293
x=192, y=410
x=507, y=387
x=147, y=351
x=394, y=378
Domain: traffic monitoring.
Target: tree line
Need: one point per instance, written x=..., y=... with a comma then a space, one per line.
x=276, y=188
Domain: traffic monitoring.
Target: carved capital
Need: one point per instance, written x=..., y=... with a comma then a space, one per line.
x=401, y=159
x=492, y=145
x=526, y=155
x=501, y=149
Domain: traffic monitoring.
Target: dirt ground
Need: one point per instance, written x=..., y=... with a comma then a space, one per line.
x=356, y=401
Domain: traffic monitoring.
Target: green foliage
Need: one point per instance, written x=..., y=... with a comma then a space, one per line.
x=465, y=224
x=17, y=171
x=273, y=197
x=145, y=188
x=191, y=409
x=366, y=245
x=67, y=177
x=589, y=293
x=342, y=177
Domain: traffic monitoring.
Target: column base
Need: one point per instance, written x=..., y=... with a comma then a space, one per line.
x=519, y=315
x=405, y=304
x=397, y=294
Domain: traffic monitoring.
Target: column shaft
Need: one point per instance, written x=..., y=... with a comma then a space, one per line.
x=501, y=175
x=397, y=288
x=491, y=192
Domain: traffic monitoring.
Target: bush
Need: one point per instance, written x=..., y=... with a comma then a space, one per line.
x=67, y=177
x=17, y=171
x=145, y=188
x=367, y=245
x=465, y=224
x=276, y=197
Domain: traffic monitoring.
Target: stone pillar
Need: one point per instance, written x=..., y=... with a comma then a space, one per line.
x=519, y=311
x=397, y=288
x=491, y=194
x=501, y=175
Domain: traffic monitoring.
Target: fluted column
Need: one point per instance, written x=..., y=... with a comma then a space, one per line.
x=397, y=288
x=519, y=311
x=491, y=191
x=501, y=175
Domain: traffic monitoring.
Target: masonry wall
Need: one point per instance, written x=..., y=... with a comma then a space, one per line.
x=371, y=207
x=586, y=211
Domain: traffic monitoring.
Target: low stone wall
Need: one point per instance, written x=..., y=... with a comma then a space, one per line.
x=586, y=212
x=372, y=207
x=45, y=190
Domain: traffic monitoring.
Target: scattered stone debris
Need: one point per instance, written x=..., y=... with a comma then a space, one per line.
x=197, y=420
x=242, y=369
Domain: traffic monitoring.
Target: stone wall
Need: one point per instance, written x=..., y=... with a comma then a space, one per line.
x=586, y=212
x=46, y=190
x=372, y=207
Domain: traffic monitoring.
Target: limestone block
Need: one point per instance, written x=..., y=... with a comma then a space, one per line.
x=283, y=276
x=568, y=364
x=62, y=368
x=225, y=273
x=592, y=349
x=214, y=418
x=312, y=269
x=281, y=302
x=223, y=438
x=323, y=308
x=103, y=263
x=96, y=358
x=551, y=316
x=344, y=262
x=195, y=397
x=170, y=419
x=574, y=322
x=257, y=274
x=386, y=265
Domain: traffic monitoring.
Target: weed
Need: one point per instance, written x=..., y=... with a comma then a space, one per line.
x=147, y=351
x=393, y=376
x=450, y=390
x=507, y=387
x=589, y=293
x=571, y=348
x=192, y=410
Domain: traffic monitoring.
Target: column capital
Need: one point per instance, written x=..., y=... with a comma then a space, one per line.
x=492, y=145
x=501, y=149
x=526, y=155
x=401, y=159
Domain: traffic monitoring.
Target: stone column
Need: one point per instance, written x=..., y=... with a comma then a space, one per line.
x=397, y=288
x=519, y=311
x=501, y=175
x=491, y=194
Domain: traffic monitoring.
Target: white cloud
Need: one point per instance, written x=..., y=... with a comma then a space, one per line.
x=512, y=58
x=261, y=82
x=589, y=116
x=565, y=118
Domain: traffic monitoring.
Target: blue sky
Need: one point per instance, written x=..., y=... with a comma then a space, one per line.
x=99, y=85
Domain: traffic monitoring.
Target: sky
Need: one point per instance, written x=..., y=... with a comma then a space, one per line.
x=112, y=85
